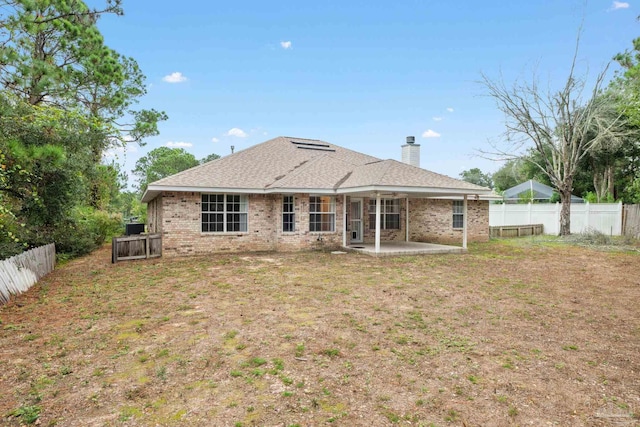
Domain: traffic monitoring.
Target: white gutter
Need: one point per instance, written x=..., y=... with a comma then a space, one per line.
x=432, y=192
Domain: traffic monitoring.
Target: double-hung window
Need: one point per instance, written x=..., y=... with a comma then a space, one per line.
x=458, y=214
x=224, y=213
x=288, y=214
x=389, y=214
x=322, y=213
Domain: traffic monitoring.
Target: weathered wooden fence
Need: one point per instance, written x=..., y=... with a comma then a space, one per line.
x=139, y=246
x=20, y=272
x=631, y=221
x=516, y=230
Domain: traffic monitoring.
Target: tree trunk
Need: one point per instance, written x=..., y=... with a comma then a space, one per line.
x=599, y=184
x=611, y=179
x=565, y=211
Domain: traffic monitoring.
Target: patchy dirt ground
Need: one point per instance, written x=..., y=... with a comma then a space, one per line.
x=513, y=333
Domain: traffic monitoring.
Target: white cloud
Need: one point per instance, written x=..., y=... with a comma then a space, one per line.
x=179, y=144
x=619, y=5
x=430, y=134
x=437, y=119
x=236, y=132
x=176, y=77
x=214, y=140
x=286, y=45
x=449, y=109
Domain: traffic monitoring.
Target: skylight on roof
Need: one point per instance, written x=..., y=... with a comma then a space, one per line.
x=315, y=148
x=310, y=144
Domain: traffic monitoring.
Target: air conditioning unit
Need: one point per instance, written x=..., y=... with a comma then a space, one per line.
x=134, y=228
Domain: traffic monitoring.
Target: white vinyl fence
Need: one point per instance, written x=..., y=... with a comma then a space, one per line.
x=603, y=217
x=20, y=272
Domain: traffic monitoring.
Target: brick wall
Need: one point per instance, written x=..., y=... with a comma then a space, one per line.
x=177, y=216
x=182, y=235
x=431, y=220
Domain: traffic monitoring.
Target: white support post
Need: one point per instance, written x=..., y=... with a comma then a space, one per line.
x=406, y=226
x=464, y=223
x=377, y=222
x=344, y=221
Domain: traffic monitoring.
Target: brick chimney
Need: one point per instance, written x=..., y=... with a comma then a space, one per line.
x=411, y=152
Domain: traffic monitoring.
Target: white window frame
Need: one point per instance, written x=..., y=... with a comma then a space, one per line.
x=327, y=209
x=387, y=209
x=458, y=214
x=232, y=205
x=288, y=216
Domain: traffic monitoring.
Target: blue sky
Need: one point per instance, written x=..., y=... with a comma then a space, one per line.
x=360, y=74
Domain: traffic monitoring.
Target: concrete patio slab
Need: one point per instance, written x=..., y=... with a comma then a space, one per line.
x=404, y=248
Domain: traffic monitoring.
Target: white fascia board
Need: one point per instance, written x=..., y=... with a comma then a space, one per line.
x=480, y=197
x=300, y=190
x=444, y=192
x=205, y=189
x=153, y=190
x=432, y=192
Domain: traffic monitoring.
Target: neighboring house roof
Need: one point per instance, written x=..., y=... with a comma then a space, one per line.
x=290, y=165
x=540, y=191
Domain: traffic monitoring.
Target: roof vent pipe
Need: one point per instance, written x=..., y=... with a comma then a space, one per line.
x=411, y=152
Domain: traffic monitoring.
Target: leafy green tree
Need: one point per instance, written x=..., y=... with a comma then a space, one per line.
x=162, y=162
x=209, y=158
x=54, y=54
x=517, y=171
x=45, y=164
x=626, y=172
x=631, y=193
x=65, y=98
x=476, y=176
x=131, y=207
x=628, y=81
x=48, y=43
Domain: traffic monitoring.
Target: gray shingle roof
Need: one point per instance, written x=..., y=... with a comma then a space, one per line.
x=393, y=173
x=286, y=164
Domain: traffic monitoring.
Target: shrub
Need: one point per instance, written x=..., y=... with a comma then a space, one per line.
x=78, y=234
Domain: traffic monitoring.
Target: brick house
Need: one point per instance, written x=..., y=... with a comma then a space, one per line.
x=293, y=193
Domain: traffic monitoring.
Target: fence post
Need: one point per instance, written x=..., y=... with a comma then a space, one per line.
x=148, y=241
x=557, y=224
x=114, y=250
x=504, y=216
x=587, y=216
x=621, y=208
x=530, y=205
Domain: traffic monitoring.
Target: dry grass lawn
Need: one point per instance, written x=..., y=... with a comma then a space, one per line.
x=513, y=333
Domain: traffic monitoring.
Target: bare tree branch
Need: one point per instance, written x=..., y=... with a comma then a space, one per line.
x=561, y=126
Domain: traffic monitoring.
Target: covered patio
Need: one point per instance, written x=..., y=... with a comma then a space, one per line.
x=380, y=247
x=403, y=248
